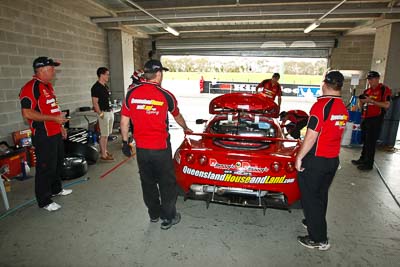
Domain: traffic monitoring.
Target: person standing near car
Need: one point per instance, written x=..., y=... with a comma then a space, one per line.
x=102, y=106
x=271, y=88
x=318, y=159
x=374, y=102
x=147, y=105
x=298, y=120
x=40, y=108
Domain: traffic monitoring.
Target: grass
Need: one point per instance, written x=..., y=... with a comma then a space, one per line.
x=244, y=77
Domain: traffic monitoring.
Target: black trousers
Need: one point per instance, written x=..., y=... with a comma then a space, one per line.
x=370, y=130
x=49, y=159
x=158, y=181
x=314, y=183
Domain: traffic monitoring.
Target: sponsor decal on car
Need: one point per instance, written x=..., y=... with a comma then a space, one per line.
x=241, y=166
x=246, y=179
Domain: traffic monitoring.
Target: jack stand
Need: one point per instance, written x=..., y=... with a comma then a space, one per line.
x=208, y=201
x=264, y=205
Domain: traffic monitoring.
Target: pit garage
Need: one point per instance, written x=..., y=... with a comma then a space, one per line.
x=104, y=222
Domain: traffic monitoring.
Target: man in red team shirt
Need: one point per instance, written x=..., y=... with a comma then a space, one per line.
x=298, y=120
x=374, y=102
x=271, y=88
x=318, y=159
x=147, y=106
x=40, y=108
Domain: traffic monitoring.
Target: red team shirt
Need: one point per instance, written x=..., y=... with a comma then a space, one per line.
x=147, y=105
x=269, y=90
x=328, y=117
x=40, y=97
x=380, y=93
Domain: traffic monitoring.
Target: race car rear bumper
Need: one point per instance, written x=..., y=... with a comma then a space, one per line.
x=238, y=196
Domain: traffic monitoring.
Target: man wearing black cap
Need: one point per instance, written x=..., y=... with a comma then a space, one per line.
x=147, y=106
x=374, y=102
x=271, y=88
x=40, y=108
x=318, y=159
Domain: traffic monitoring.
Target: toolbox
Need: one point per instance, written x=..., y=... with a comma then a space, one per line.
x=14, y=159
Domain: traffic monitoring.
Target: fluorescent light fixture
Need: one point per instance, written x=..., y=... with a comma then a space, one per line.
x=316, y=23
x=164, y=25
x=312, y=26
x=171, y=30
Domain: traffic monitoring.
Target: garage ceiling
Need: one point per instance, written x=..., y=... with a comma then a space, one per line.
x=240, y=26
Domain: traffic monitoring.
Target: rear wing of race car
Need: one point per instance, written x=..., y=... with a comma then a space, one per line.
x=243, y=137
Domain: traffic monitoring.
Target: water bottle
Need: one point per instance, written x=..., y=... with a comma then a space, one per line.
x=90, y=137
x=94, y=138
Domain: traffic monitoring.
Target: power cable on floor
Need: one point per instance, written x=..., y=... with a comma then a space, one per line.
x=33, y=201
x=384, y=182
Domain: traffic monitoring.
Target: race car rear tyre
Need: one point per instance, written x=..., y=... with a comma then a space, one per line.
x=89, y=152
x=73, y=167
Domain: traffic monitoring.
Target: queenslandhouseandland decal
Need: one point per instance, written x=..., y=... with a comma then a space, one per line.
x=244, y=179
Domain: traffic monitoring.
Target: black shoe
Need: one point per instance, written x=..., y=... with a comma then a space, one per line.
x=166, y=224
x=154, y=220
x=304, y=223
x=364, y=167
x=357, y=162
x=308, y=243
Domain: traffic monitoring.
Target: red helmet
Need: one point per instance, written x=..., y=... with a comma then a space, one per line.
x=137, y=74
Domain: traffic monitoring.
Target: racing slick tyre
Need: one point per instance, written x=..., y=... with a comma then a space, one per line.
x=89, y=152
x=296, y=205
x=73, y=167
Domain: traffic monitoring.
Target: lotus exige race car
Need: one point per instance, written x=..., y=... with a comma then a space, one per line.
x=241, y=158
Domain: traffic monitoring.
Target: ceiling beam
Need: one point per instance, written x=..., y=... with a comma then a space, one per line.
x=218, y=14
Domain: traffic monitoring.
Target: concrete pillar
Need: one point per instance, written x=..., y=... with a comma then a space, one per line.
x=120, y=46
x=386, y=54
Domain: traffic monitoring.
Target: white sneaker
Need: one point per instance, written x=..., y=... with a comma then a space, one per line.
x=52, y=207
x=64, y=192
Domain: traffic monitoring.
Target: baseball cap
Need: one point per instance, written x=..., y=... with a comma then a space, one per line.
x=373, y=74
x=153, y=65
x=44, y=61
x=334, y=77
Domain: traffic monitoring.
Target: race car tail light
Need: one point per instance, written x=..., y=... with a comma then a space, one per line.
x=275, y=166
x=203, y=160
x=290, y=167
x=189, y=158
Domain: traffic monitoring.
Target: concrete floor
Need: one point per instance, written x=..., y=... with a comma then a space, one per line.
x=104, y=223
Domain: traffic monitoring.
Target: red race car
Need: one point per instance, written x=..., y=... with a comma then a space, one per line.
x=241, y=158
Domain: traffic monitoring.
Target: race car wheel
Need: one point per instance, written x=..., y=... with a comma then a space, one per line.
x=73, y=167
x=89, y=152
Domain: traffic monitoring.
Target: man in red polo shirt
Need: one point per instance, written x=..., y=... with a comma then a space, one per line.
x=318, y=159
x=271, y=88
x=147, y=106
x=40, y=108
x=298, y=120
x=374, y=102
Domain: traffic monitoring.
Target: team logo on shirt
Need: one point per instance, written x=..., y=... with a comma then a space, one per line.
x=340, y=119
x=147, y=105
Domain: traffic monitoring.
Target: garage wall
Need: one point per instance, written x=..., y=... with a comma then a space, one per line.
x=353, y=53
x=29, y=29
x=140, y=52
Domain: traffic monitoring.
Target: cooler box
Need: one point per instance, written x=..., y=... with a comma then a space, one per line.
x=355, y=118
